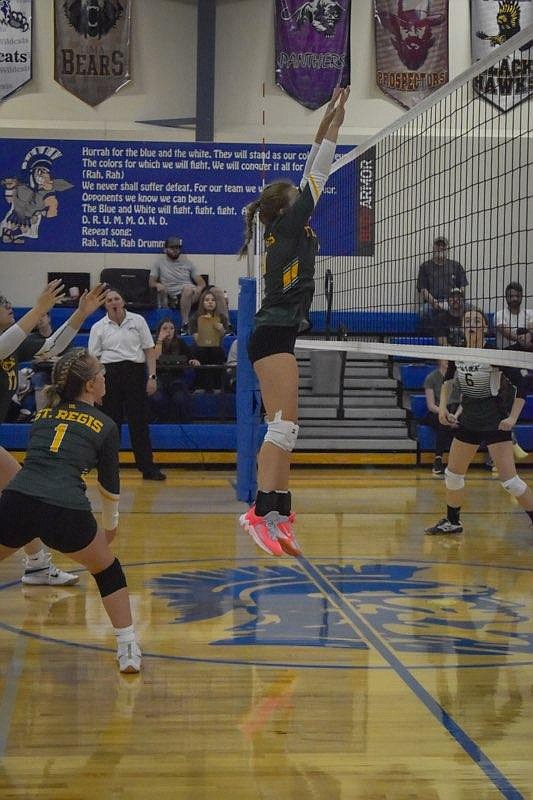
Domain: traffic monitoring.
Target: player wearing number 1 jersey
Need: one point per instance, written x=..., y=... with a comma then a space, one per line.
x=485, y=418
x=69, y=438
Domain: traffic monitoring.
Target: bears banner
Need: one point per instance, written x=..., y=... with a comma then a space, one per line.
x=92, y=47
x=493, y=22
x=312, y=48
x=15, y=45
x=411, y=48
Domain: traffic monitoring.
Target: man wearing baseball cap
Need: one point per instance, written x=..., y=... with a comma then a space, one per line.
x=437, y=277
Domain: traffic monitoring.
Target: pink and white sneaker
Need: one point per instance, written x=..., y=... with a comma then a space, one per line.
x=286, y=537
x=263, y=530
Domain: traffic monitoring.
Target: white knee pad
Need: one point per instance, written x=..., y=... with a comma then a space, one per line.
x=282, y=434
x=515, y=486
x=453, y=482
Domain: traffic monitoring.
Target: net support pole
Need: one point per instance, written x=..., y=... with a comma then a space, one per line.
x=248, y=397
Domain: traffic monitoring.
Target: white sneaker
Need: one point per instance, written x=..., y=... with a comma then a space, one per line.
x=129, y=657
x=42, y=572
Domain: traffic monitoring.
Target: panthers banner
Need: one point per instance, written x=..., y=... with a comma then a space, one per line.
x=312, y=48
x=411, y=48
x=92, y=47
x=493, y=22
x=15, y=45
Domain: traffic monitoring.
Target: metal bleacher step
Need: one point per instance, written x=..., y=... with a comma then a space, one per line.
x=349, y=424
x=353, y=371
x=373, y=444
x=353, y=413
x=351, y=400
x=334, y=432
x=358, y=383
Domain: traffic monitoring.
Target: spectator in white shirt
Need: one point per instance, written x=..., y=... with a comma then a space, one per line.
x=514, y=324
x=123, y=342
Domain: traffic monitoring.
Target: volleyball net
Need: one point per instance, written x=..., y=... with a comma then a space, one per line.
x=441, y=200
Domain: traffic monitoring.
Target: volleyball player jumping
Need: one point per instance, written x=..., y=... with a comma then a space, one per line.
x=69, y=437
x=291, y=248
x=482, y=420
x=18, y=343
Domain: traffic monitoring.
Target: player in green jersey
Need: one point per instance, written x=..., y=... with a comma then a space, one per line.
x=18, y=343
x=291, y=248
x=69, y=437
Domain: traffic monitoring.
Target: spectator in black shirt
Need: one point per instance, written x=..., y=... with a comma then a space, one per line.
x=436, y=278
x=448, y=324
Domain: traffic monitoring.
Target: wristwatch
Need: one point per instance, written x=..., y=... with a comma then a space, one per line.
x=152, y=377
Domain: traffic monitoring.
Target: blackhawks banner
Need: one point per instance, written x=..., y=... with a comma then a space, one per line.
x=312, y=48
x=411, y=48
x=15, y=45
x=92, y=47
x=493, y=22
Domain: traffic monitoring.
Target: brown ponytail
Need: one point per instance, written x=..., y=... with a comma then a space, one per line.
x=69, y=376
x=272, y=200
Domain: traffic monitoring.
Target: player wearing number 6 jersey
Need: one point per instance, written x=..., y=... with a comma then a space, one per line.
x=69, y=438
x=291, y=248
x=483, y=419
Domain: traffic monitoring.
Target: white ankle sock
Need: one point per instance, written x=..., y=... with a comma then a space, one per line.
x=125, y=635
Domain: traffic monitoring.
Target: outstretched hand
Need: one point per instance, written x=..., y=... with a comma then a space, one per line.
x=328, y=115
x=91, y=301
x=54, y=293
x=339, y=111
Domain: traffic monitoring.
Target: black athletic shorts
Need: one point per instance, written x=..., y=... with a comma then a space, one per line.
x=268, y=340
x=23, y=518
x=469, y=436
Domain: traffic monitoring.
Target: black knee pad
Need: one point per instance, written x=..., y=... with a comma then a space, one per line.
x=110, y=579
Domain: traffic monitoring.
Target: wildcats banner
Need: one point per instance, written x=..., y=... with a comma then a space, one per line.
x=493, y=22
x=411, y=48
x=15, y=45
x=92, y=47
x=312, y=48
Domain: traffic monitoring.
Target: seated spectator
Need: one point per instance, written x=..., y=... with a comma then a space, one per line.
x=436, y=278
x=178, y=282
x=514, y=324
x=448, y=324
x=444, y=433
x=209, y=329
x=171, y=402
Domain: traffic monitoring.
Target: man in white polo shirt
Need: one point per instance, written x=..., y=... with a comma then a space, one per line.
x=514, y=324
x=123, y=342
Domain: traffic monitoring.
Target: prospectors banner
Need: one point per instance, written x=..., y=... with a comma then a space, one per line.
x=411, y=48
x=312, y=48
x=128, y=197
x=92, y=47
x=493, y=22
x=15, y=45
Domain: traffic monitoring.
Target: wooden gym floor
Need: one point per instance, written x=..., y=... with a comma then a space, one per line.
x=384, y=664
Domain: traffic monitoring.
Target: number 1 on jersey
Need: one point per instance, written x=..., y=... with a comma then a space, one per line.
x=60, y=432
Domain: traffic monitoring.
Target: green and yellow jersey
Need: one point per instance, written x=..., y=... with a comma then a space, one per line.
x=9, y=367
x=65, y=444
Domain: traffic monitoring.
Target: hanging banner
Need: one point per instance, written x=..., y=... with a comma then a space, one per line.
x=411, y=48
x=493, y=22
x=15, y=45
x=312, y=49
x=92, y=47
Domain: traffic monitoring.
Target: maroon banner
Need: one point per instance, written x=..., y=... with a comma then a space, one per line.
x=92, y=47
x=312, y=48
x=411, y=48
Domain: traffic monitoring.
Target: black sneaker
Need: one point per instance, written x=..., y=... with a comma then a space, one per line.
x=154, y=475
x=444, y=526
x=438, y=467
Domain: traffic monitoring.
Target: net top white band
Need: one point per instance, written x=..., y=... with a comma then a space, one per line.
x=498, y=358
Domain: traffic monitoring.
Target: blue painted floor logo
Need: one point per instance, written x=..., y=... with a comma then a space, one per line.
x=414, y=608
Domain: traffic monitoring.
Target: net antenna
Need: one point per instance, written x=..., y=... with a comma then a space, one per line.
x=459, y=165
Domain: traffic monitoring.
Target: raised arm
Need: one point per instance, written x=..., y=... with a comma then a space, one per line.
x=15, y=335
x=60, y=339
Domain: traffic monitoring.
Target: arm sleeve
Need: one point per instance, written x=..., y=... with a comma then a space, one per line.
x=108, y=465
x=297, y=216
x=147, y=340
x=309, y=164
x=58, y=341
x=516, y=378
x=10, y=340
